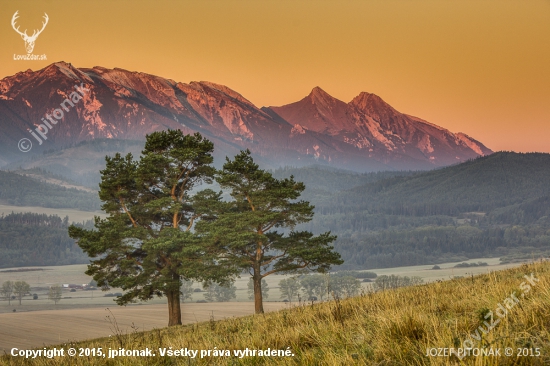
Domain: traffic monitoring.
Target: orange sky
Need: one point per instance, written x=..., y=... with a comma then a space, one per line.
x=481, y=67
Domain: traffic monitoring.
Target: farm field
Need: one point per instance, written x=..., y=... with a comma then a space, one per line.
x=42, y=278
x=47, y=327
x=447, y=271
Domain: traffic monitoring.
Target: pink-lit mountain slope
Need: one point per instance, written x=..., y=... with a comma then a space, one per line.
x=366, y=134
x=378, y=130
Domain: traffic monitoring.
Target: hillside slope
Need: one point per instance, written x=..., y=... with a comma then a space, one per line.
x=483, y=184
x=393, y=327
x=30, y=239
x=491, y=206
x=22, y=190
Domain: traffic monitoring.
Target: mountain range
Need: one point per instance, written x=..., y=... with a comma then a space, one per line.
x=366, y=134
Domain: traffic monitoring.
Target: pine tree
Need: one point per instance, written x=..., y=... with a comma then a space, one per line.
x=146, y=245
x=250, y=289
x=248, y=226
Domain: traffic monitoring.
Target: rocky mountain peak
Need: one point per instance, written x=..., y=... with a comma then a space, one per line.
x=365, y=134
x=372, y=104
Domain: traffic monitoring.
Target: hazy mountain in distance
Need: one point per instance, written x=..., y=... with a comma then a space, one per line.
x=497, y=205
x=364, y=135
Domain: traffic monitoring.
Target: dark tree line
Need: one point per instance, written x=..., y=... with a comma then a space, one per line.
x=29, y=239
x=489, y=206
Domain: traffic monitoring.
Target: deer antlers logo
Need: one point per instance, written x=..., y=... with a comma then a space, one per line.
x=29, y=40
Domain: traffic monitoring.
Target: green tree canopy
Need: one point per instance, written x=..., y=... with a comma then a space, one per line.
x=146, y=245
x=394, y=281
x=315, y=286
x=344, y=286
x=215, y=292
x=251, y=226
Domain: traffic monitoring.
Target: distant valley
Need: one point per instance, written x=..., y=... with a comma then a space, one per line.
x=493, y=206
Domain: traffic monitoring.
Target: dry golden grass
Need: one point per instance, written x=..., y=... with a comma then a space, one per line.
x=387, y=328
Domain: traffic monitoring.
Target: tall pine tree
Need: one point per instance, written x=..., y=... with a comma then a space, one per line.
x=251, y=226
x=147, y=244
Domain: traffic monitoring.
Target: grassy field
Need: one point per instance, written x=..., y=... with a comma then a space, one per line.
x=47, y=178
x=394, y=327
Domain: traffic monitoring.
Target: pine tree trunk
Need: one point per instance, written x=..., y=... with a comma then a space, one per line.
x=258, y=299
x=174, y=308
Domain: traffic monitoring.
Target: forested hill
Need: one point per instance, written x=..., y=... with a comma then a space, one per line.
x=483, y=184
x=322, y=180
x=30, y=239
x=497, y=205
x=20, y=190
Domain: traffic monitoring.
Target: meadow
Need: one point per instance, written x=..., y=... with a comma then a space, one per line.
x=42, y=277
x=392, y=327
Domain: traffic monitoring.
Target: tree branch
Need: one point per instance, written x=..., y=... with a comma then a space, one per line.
x=250, y=202
x=191, y=220
x=121, y=200
x=273, y=258
x=281, y=270
x=269, y=226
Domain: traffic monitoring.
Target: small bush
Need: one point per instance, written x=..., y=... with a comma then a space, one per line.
x=370, y=275
x=465, y=265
